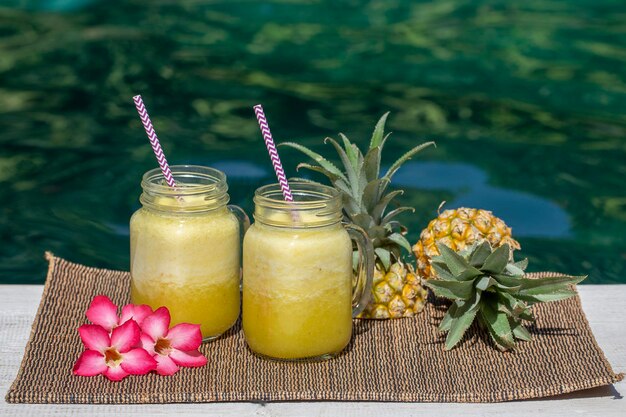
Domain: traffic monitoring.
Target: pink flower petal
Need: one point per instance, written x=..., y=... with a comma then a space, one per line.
x=94, y=337
x=115, y=373
x=157, y=323
x=192, y=358
x=138, y=362
x=90, y=363
x=165, y=366
x=147, y=344
x=185, y=336
x=126, y=336
x=103, y=312
x=135, y=312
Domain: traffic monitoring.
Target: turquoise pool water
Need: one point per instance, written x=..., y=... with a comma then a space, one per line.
x=527, y=104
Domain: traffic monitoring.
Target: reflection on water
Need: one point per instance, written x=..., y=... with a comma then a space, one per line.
x=50, y=5
x=527, y=214
x=243, y=169
x=527, y=103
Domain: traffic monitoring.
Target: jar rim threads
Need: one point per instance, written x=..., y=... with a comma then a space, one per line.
x=198, y=188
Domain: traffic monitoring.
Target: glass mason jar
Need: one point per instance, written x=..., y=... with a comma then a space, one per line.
x=185, y=248
x=299, y=289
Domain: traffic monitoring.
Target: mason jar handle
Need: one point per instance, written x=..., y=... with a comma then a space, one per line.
x=244, y=223
x=244, y=220
x=362, y=281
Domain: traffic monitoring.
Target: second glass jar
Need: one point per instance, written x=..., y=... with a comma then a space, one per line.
x=299, y=289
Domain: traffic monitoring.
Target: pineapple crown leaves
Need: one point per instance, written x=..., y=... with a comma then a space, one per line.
x=364, y=190
x=484, y=285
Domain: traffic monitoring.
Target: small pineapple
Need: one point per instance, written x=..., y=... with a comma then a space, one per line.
x=396, y=289
x=459, y=229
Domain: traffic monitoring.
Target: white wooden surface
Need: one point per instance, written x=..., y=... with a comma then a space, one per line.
x=603, y=304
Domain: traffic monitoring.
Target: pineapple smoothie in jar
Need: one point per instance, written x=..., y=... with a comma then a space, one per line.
x=298, y=292
x=185, y=248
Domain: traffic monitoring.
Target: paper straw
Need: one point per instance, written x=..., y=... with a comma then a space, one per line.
x=154, y=141
x=271, y=148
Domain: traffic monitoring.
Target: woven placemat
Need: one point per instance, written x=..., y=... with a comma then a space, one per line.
x=391, y=360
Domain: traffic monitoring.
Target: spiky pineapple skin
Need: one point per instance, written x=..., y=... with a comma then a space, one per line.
x=458, y=229
x=396, y=293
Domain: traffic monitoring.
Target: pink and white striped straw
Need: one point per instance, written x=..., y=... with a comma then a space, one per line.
x=154, y=141
x=271, y=148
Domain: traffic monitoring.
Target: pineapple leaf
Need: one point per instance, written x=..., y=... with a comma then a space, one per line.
x=379, y=235
x=455, y=262
x=299, y=179
x=520, y=332
x=544, y=298
x=317, y=168
x=379, y=209
x=351, y=151
x=508, y=280
x=391, y=225
x=342, y=186
x=384, y=256
x=443, y=272
x=371, y=164
x=349, y=205
x=498, y=325
x=439, y=261
x=408, y=155
x=324, y=163
x=514, y=270
x=395, y=212
x=365, y=222
x=480, y=255
x=485, y=282
x=498, y=260
x=446, y=322
x=511, y=289
x=382, y=144
x=452, y=290
x=497, y=340
x=379, y=131
x=469, y=273
x=537, y=286
x=523, y=264
x=511, y=304
x=353, y=178
x=360, y=173
x=527, y=315
x=464, y=316
x=400, y=240
x=371, y=194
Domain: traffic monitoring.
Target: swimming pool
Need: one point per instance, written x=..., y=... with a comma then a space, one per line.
x=527, y=104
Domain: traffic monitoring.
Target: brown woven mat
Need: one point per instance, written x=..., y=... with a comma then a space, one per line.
x=393, y=360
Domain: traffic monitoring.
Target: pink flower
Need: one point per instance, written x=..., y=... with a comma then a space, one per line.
x=135, y=312
x=173, y=347
x=114, y=344
x=114, y=355
x=103, y=312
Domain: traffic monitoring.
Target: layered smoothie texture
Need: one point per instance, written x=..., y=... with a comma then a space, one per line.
x=297, y=290
x=188, y=263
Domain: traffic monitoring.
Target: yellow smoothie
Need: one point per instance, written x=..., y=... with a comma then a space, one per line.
x=189, y=263
x=297, y=290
